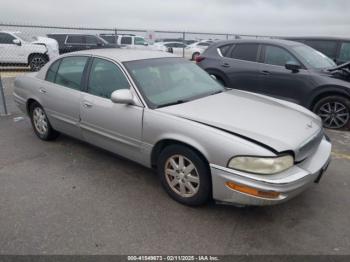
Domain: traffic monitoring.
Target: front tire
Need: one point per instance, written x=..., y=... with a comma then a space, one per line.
x=185, y=175
x=334, y=111
x=40, y=123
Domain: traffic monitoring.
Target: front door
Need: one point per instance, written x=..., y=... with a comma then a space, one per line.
x=279, y=82
x=115, y=127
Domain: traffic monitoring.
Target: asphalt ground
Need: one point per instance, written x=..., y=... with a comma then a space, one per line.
x=68, y=197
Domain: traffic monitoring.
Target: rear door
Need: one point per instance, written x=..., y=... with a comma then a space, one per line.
x=62, y=93
x=241, y=67
x=277, y=81
x=115, y=127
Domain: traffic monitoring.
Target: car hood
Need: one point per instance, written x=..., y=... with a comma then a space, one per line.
x=270, y=122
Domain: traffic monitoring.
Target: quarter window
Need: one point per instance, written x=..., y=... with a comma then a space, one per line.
x=106, y=77
x=225, y=49
x=51, y=73
x=70, y=72
x=344, y=52
x=6, y=38
x=246, y=52
x=277, y=56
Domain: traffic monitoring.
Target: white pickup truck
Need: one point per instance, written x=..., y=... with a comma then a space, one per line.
x=16, y=50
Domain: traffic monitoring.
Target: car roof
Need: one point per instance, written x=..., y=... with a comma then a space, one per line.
x=124, y=55
x=280, y=42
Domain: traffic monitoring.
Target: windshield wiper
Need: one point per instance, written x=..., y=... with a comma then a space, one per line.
x=172, y=103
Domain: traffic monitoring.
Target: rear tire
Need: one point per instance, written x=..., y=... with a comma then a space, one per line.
x=40, y=122
x=334, y=111
x=36, y=62
x=185, y=175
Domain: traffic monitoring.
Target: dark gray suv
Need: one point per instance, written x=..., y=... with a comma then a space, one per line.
x=286, y=70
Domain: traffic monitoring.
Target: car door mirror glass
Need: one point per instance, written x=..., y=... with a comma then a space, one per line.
x=17, y=42
x=294, y=67
x=122, y=96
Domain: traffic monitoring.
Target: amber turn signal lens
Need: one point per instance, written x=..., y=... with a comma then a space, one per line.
x=252, y=191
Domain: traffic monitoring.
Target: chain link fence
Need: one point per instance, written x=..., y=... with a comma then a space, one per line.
x=26, y=48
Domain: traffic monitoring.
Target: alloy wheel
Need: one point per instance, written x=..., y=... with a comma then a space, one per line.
x=40, y=121
x=182, y=176
x=37, y=63
x=334, y=114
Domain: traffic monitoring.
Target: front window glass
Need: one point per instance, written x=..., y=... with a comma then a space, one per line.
x=91, y=40
x=344, y=52
x=139, y=41
x=75, y=39
x=70, y=72
x=106, y=77
x=313, y=58
x=278, y=56
x=164, y=81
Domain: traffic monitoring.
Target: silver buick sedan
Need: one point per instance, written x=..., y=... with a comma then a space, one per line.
x=168, y=114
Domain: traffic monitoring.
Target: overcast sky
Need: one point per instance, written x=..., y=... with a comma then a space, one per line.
x=258, y=17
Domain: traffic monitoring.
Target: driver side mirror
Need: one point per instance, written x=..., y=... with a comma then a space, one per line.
x=17, y=42
x=122, y=96
x=294, y=67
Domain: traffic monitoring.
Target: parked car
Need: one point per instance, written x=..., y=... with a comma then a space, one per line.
x=172, y=47
x=335, y=48
x=18, y=50
x=194, y=50
x=166, y=113
x=286, y=70
x=71, y=42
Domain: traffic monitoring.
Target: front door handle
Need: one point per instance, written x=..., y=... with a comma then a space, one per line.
x=43, y=91
x=265, y=72
x=225, y=64
x=87, y=104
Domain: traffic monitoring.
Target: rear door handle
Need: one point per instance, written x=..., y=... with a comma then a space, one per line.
x=265, y=72
x=43, y=91
x=225, y=64
x=87, y=104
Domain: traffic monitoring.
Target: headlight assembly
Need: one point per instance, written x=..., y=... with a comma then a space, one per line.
x=261, y=165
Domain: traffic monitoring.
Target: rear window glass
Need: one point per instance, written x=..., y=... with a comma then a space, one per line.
x=75, y=39
x=246, y=52
x=225, y=50
x=70, y=72
x=51, y=73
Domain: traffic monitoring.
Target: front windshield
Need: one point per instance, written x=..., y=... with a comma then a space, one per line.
x=164, y=81
x=313, y=58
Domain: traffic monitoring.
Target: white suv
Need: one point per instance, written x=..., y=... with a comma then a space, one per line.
x=16, y=50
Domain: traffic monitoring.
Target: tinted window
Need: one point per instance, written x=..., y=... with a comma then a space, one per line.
x=277, y=56
x=106, y=77
x=225, y=49
x=51, y=72
x=246, y=52
x=91, y=40
x=328, y=48
x=75, y=39
x=109, y=38
x=6, y=38
x=344, y=52
x=70, y=72
x=126, y=40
